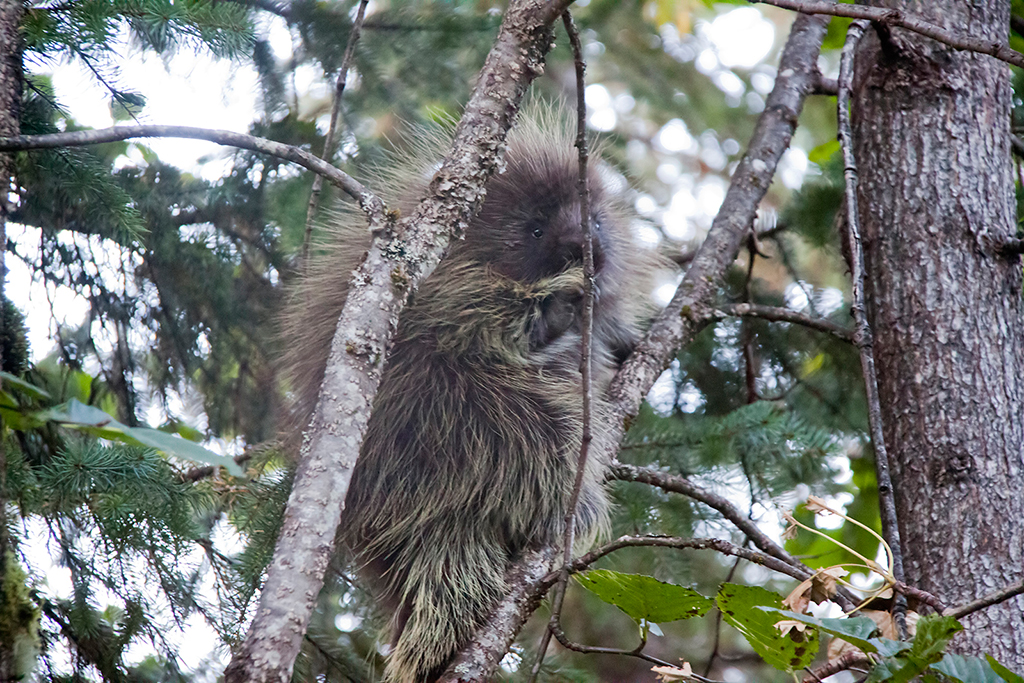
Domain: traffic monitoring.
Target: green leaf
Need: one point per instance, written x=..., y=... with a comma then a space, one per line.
x=968, y=670
x=897, y=669
x=858, y=631
x=77, y=415
x=822, y=153
x=932, y=635
x=27, y=388
x=644, y=598
x=740, y=606
x=1003, y=672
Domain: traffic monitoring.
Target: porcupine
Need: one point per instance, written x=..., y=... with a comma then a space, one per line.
x=471, y=449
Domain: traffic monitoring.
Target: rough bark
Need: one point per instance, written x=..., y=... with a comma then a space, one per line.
x=10, y=109
x=931, y=131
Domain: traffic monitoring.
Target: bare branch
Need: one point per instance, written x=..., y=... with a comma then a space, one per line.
x=1013, y=246
x=369, y=202
x=331, y=140
x=586, y=340
x=785, y=315
x=895, y=17
x=400, y=256
x=825, y=86
x=862, y=336
x=993, y=598
x=796, y=571
x=675, y=483
x=850, y=659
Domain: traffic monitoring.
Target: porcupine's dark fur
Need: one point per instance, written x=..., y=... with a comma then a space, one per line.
x=470, y=452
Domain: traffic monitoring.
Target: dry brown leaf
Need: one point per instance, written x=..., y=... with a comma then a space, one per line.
x=798, y=598
x=674, y=673
x=789, y=533
x=816, y=505
x=787, y=625
x=823, y=583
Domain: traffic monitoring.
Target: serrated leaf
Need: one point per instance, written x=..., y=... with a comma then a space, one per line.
x=77, y=415
x=645, y=597
x=897, y=670
x=740, y=606
x=967, y=669
x=932, y=635
x=857, y=631
x=1003, y=672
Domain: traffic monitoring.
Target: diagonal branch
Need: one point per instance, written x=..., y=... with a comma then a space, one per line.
x=981, y=603
x=675, y=483
x=785, y=315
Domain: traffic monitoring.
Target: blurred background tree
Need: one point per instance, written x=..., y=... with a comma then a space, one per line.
x=184, y=275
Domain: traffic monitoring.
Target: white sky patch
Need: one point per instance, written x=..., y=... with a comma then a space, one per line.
x=710, y=195
x=742, y=37
x=793, y=167
x=729, y=83
x=44, y=306
x=838, y=502
x=662, y=395
x=188, y=90
x=601, y=108
x=796, y=296
x=275, y=31
x=674, y=137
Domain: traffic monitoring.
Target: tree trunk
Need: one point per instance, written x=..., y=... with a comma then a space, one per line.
x=931, y=131
x=10, y=107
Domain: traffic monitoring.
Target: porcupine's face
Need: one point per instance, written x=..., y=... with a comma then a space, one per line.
x=529, y=226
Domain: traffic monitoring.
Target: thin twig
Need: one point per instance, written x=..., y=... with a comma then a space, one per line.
x=844, y=662
x=638, y=652
x=895, y=17
x=368, y=201
x=825, y=86
x=981, y=603
x=785, y=315
x=1014, y=245
x=718, y=621
x=586, y=341
x=331, y=140
x=678, y=484
x=1017, y=146
x=796, y=571
x=862, y=331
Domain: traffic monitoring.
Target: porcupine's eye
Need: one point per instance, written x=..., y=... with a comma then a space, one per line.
x=537, y=233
